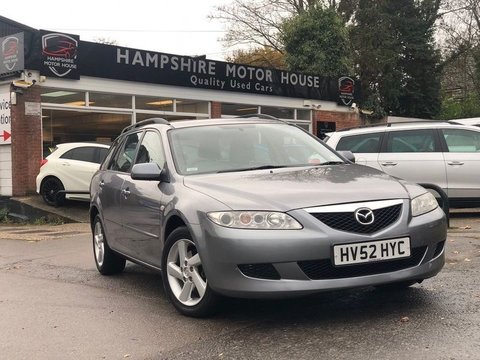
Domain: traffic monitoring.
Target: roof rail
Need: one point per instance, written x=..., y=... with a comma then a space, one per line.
x=146, y=122
x=395, y=123
x=259, y=116
x=415, y=122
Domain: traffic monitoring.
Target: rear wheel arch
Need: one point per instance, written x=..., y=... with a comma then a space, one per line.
x=93, y=213
x=49, y=187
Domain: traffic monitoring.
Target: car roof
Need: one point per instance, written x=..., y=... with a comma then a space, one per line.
x=401, y=126
x=179, y=124
x=80, y=144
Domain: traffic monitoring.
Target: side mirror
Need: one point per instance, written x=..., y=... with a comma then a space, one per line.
x=347, y=154
x=146, y=171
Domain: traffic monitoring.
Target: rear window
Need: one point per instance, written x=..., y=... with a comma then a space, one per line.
x=88, y=153
x=364, y=143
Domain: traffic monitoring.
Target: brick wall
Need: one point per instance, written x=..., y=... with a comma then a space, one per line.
x=216, y=108
x=26, y=144
x=343, y=120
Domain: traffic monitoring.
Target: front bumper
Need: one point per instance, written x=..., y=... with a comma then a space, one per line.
x=282, y=263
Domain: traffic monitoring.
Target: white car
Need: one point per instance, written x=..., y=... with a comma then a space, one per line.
x=67, y=171
x=434, y=153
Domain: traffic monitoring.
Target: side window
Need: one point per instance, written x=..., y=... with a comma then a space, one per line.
x=86, y=153
x=110, y=154
x=418, y=140
x=364, y=143
x=151, y=149
x=123, y=159
x=462, y=140
x=101, y=155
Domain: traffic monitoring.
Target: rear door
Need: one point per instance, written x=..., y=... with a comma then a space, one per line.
x=77, y=166
x=462, y=159
x=414, y=155
x=111, y=185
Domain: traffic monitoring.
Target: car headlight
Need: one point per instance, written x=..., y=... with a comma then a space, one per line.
x=269, y=220
x=423, y=204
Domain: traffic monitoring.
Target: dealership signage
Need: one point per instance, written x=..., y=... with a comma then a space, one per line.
x=59, y=56
x=11, y=53
x=205, y=73
x=5, y=119
x=346, y=89
x=100, y=60
x=65, y=56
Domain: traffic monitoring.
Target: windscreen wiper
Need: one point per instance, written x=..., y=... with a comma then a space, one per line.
x=261, y=167
x=332, y=163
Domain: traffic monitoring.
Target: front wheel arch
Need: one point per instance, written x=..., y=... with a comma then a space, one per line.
x=186, y=276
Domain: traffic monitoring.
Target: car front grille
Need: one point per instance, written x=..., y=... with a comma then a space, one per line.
x=323, y=269
x=345, y=221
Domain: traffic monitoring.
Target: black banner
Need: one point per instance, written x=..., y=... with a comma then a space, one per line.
x=59, y=55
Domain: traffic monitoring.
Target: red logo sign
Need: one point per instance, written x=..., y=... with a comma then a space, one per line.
x=346, y=89
x=59, y=53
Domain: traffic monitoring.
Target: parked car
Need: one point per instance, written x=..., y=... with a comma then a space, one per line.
x=254, y=207
x=434, y=153
x=66, y=173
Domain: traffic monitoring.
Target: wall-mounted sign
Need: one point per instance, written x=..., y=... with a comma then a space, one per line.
x=32, y=108
x=60, y=58
x=5, y=119
x=59, y=55
x=346, y=90
x=11, y=53
x=100, y=60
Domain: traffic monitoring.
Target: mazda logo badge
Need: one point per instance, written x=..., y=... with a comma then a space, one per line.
x=364, y=216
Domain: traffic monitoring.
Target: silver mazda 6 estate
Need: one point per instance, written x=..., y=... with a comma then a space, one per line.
x=255, y=207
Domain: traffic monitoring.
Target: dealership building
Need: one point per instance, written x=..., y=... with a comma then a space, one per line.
x=56, y=88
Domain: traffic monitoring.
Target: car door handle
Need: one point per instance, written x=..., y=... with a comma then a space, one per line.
x=126, y=192
x=389, y=163
x=453, y=163
x=65, y=164
x=102, y=184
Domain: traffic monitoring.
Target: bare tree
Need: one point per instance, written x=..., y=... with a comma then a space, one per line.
x=459, y=39
x=258, y=22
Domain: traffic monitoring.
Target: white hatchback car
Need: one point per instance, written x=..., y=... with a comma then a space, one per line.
x=66, y=173
x=432, y=153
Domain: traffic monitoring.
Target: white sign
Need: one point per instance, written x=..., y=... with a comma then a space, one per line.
x=32, y=108
x=5, y=119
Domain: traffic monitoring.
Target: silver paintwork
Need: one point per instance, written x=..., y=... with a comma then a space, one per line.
x=136, y=225
x=374, y=205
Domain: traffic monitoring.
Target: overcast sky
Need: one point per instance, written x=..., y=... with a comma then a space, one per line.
x=175, y=26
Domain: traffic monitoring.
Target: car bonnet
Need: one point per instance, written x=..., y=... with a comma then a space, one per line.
x=287, y=189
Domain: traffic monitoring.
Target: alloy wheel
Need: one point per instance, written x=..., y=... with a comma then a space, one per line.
x=185, y=273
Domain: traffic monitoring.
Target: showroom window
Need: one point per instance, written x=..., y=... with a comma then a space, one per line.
x=153, y=103
x=239, y=109
x=109, y=100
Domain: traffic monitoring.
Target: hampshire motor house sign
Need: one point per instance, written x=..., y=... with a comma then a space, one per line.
x=64, y=55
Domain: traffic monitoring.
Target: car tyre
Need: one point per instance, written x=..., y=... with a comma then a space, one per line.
x=49, y=191
x=184, y=279
x=107, y=261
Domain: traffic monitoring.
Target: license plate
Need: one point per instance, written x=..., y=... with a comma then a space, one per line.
x=371, y=251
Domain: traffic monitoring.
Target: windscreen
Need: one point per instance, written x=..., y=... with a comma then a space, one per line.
x=242, y=147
